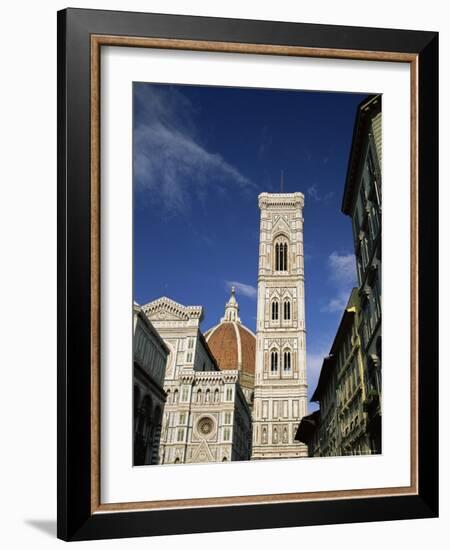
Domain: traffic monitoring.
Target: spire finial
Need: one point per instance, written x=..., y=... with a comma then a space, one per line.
x=281, y=182
x=231, y=308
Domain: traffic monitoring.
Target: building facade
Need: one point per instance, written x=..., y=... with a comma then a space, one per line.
x=362, y=202
x=149, y=368
x=280, y=397
x=340, y=426
x=206, y=417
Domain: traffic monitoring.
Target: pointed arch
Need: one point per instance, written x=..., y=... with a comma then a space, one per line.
x=281, y=249
x=287, y=355
x=287, y=309
x=275, y=309
x=274, y=360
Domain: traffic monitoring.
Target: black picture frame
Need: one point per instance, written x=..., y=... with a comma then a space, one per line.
x=76, y=521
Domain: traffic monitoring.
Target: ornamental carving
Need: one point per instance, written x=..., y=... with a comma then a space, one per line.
x=205, y=426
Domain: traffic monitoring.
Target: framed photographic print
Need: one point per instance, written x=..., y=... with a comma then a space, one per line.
x=247, y=274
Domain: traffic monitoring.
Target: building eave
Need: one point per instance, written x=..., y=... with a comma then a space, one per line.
x=370, y=104
x=325, y=373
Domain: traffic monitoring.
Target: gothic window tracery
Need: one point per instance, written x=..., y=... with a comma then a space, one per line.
x=275, y=310
x=287, y=360
x=281, y=254
x=274, y=361
x=287, y=310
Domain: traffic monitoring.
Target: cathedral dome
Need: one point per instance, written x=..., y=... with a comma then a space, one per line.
x=233, y=345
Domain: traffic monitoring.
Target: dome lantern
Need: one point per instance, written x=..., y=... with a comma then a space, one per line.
x=231, y=309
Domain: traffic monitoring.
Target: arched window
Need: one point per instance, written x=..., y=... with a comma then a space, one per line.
x=207, y=394
x=287, y=310
x=199, y=396
x=281, y=254
x=175, y=396
x=275, y=310
x=274, y=361
x=216, y=396
x=287, y=360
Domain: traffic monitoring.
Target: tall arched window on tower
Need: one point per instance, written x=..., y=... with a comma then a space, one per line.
x=287, y=360
x=287, y=310
x=275, y=310
x=281, y=254
x=274, y=361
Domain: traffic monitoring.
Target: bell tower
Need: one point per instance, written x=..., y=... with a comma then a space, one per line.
x=280, y=371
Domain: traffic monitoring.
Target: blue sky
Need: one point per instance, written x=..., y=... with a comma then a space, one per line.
x=201, y=157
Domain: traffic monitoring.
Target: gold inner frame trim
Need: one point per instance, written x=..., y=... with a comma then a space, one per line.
x=97, y=41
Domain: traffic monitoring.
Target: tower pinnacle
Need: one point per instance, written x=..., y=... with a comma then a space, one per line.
x=232, y=308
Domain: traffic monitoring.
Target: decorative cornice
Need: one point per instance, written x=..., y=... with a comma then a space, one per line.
x=277, y=200
x=170, y=306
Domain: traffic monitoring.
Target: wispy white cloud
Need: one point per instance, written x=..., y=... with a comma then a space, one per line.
x=342, y=268
x=317, y=196
x=336, y=304
x=313, y=192
x=170, y=162
x=342, y=274
x=246, y=290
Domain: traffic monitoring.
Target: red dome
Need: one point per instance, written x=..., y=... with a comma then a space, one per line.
x=233, y=346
